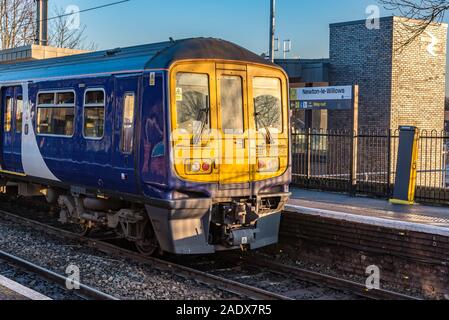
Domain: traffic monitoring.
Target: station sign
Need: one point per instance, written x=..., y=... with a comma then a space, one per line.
x=322, y=98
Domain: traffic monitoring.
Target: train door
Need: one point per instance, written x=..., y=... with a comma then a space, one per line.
x=233, y=121
x=12, y=110
x=125, y=146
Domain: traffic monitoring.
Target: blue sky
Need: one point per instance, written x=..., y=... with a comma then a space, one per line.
x=245, y=22
x=305, y=22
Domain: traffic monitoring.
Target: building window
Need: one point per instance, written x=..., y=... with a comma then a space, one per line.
x=94, y=113
x=8, y=113
x=56, y=113
x=127, y=136
x=19, y=113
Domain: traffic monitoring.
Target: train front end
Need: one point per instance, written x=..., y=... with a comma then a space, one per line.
x=230, y=157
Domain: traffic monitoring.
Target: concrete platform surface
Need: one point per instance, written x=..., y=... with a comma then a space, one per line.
x=379, y=212
x=10, y=290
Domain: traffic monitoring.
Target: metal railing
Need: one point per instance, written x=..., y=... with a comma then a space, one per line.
x=364, y=162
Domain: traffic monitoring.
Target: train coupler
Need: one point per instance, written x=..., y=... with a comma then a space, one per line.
x=242, y=237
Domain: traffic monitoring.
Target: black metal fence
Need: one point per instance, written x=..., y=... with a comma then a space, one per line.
x=365, y=162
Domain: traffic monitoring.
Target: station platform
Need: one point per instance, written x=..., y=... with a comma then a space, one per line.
x=378, y=212
x=13, y=291
x=409, y=244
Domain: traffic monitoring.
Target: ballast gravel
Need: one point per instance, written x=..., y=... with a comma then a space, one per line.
x=120, y=278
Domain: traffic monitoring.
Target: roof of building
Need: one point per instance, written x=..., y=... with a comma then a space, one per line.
x=389, y=19
x=35, y=52
x=305, y=70
x=126, y=60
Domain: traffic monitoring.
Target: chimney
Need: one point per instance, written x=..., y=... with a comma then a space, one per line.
x=42, y=22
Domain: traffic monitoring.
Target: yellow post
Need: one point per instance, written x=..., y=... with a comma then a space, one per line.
x=407, y=166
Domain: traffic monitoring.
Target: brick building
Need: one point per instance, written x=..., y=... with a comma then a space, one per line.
x=397, y=87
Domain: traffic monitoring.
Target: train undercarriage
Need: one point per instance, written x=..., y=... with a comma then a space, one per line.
x=222, y=225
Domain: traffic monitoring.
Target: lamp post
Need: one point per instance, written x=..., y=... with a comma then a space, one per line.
x=41, y=22
x=272, y=28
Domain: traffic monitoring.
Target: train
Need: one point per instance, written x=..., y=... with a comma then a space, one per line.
x=180, y=146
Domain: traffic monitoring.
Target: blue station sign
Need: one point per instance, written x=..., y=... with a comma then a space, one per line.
x=322, y=98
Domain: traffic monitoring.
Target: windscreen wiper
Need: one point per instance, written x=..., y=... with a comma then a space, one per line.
x=267, y=134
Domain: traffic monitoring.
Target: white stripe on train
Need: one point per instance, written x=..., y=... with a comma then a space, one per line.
x=32, y=161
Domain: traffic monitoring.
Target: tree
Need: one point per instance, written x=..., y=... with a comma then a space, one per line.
x=17, y=23
x=18, y=27
x=420, y=13
x=66, y=33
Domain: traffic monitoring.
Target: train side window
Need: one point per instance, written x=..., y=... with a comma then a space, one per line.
x=127, y=136
x=19, y=113
x=8, y=114
x=94, y=113
x=56, y=113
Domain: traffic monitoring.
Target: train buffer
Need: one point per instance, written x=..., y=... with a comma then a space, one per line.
x=11, y=290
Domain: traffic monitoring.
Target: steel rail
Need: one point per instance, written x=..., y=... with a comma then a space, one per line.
x=84, y=291
x=224, y=284
x=329, y=281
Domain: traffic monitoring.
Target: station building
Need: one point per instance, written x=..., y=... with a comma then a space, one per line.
x=398, y=85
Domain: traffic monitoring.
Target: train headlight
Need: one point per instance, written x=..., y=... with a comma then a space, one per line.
x=268, y=165
x=199, y=166
x=195, y=167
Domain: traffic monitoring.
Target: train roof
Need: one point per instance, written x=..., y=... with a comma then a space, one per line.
x=123, y=60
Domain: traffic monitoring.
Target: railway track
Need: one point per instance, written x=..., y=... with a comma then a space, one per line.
x=355, y=288
x=236, y=282
x=231, y=286
x=294, y=282
x=84, y=292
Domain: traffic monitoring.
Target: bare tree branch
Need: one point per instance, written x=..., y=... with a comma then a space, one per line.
x=17, y=25
x=65, y=34
x=420, y=15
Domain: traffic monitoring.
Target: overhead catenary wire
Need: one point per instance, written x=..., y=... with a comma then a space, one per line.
x=75, y=12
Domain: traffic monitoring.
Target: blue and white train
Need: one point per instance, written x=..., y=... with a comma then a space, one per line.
x=94, y=134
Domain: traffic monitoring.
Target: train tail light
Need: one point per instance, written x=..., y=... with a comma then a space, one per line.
x=206, y=166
